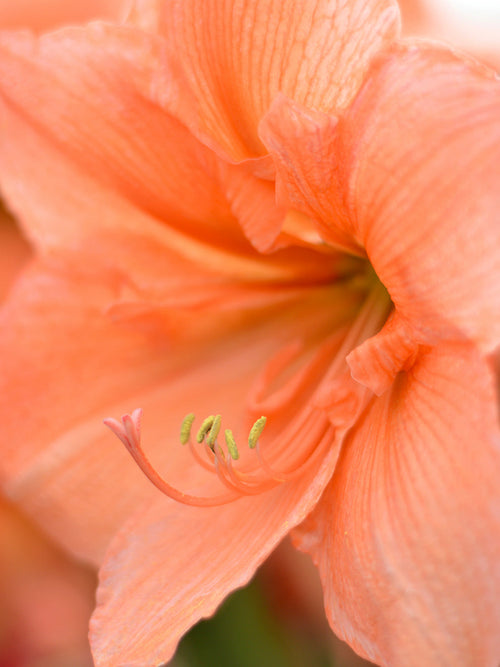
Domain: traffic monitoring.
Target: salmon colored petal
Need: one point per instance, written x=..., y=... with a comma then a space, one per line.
x=266, y=225
x=228, y=60
x=253, y=202
x=63, y=360
x=435, y=240
x=407, y=535
x=98, y=132
x=172, y=565
x=145, y=14
x=415, y=17
x=432, y=233
x=310, y=170
x=43, y=15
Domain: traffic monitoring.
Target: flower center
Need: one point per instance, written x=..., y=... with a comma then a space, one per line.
x=304, y=439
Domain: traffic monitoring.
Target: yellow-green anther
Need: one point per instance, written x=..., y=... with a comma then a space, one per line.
x=204, y=428
x=231, y=445
x=186, y=425
x=214, y=431
x=255, y=432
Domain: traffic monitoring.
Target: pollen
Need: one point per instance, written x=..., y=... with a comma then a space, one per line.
x=231, y=445
x=256, y=432
x=186, y=425
x=205, y=427
x=214, y=432
x=209, y=432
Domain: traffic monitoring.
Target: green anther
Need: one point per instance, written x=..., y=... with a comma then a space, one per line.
x=187, y=422
x=204, y=428
x=214, y=432
x=231, y=445
x=256, y=431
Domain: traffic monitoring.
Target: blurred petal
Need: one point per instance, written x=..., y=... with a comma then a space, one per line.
x=228, y=60
x=46, y=600
x=43, y=15
x=407, y=534
x=417, y=189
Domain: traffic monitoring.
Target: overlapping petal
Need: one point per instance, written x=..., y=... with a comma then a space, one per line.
x=77, y=102
x=417, y=188
x=228, y=60
x=407, y=534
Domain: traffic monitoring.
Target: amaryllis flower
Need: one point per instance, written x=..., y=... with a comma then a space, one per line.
x=267, y=220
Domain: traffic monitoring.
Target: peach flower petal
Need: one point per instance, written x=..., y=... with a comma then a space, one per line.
x=406, y=151
x=98, y=132
x=172, y=565
x=63, y=362
x=43, y=15
x=407, y=535
x=228, y=60
x=310, y=173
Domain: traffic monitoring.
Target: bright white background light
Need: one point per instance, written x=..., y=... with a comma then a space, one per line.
x=473, y=24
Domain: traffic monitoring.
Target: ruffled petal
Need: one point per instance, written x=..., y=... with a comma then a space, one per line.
x=432, y=233
x=407, y=536
x=228, y=60
x=172, y=565
x=77, y=102
x=411, y=174
x=266, y=225
x=310, y=170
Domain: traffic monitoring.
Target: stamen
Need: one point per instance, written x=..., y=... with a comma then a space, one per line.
x=214, y=432
x=259, y=479
x=186, y=425
x=231, y=445
x=256, y=431
x=206, y=425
